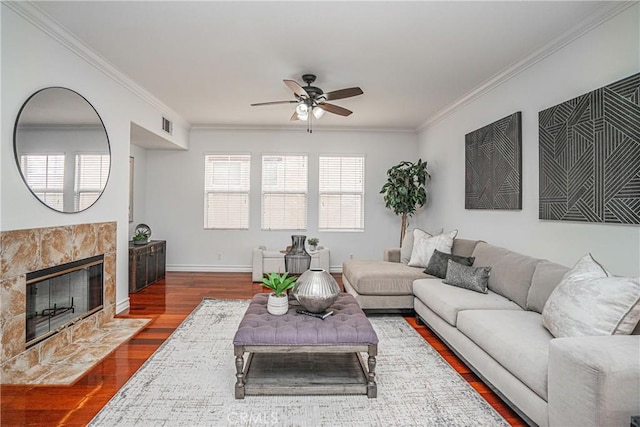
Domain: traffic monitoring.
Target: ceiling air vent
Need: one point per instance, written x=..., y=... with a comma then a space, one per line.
x=167, y=126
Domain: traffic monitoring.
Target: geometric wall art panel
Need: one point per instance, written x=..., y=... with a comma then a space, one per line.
x=590, y=156
x=493, y=165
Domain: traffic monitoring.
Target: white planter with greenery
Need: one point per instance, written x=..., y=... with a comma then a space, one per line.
x=313, y=243
x=278, y=302
x=278, y=305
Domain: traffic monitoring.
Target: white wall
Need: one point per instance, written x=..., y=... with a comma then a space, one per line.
x=32, y=60
x=605, y=54
x=139, y=155
x=175, y=198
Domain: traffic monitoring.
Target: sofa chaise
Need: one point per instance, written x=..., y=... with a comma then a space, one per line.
x=565, y=381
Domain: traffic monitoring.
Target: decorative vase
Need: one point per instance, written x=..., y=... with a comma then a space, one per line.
x=277, y=305
x=316, y=290
x=297, y=260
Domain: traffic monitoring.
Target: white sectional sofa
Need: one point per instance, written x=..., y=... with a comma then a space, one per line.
x=569, y=381
x=388, y=285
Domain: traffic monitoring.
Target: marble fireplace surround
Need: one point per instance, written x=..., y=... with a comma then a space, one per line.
x=22, y=251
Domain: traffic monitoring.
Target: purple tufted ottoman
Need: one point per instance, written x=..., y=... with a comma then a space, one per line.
x=298, y=354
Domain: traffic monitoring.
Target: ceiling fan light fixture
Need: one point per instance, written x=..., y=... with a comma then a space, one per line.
x=311, y=100
x=302, y=110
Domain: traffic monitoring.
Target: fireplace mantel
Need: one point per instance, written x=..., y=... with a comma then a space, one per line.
x=23, y=251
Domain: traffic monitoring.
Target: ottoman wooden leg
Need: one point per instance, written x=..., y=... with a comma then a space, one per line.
x=239, y=388
x=372, y=387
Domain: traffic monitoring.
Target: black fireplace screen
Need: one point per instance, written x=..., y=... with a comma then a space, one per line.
x=61, y=295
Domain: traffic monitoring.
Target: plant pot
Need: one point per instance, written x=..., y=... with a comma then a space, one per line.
x=277, y=305
x=141, y=242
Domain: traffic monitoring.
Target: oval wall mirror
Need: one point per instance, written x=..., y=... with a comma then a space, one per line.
x=62, y=149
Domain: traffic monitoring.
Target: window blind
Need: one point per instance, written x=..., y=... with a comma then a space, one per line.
x=284, y=192
x=45, y=175
x=227, y=181
x=92, y=172
x=341, y=185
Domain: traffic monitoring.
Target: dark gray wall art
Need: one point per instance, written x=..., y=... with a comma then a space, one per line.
x=493, y=165
x=590, y=156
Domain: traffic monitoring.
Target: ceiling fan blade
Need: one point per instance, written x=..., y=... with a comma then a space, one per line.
x=273, y=103
x=343, y=93
x=334, y=109
x=294, y=117
x=296, y=88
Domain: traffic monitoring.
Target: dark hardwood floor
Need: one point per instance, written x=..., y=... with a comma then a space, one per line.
x=168, y=302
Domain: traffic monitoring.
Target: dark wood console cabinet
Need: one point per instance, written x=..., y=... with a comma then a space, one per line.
x=147, y=264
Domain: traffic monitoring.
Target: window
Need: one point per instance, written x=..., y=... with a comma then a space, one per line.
x=284, y=192
x=92, y=171
x=226, y=191
x=45, y=175
x=341, y=193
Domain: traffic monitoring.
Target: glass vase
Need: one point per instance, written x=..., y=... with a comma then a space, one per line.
x=297, y=260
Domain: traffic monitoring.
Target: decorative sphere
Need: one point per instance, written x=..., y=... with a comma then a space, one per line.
x=316, y=290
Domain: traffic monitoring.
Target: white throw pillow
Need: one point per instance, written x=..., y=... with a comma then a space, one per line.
x=423, y=248
x=590, y=301
x=406, y=249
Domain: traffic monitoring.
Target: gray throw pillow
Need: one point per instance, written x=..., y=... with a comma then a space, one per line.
x=462, y=276
x=438, y=263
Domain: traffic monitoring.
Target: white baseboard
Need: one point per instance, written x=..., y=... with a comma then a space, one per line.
x=225, y=268
x=122, y=306
x=209, y=268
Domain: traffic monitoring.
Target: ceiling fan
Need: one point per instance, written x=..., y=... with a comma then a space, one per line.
x=311, y=100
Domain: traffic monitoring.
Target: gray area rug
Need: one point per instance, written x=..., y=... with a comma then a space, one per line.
x=189, y=381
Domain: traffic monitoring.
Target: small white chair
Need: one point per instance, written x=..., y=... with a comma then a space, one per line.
x=270, y=261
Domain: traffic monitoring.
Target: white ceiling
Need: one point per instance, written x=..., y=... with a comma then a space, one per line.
x=209, y=60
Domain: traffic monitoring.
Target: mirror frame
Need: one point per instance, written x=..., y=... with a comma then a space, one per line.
x=17, y=157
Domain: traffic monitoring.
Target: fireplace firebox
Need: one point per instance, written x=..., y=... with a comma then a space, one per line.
x=62, y=295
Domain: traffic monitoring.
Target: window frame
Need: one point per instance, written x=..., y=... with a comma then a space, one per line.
x=97, y=191
x=207, y=191
x=264, y=193
x=360, y=193
x=43, y=193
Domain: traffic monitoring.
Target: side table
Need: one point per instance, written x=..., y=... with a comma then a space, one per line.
x=272, y=261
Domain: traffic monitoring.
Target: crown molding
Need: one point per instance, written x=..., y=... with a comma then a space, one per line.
x=593, y=20
x=258, y=128
x=37, y=17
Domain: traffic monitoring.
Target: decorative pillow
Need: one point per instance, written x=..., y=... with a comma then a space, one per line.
x=590, y=301
x=438, y=263
x=423, y=249
x=462, y=276
x=409, y=241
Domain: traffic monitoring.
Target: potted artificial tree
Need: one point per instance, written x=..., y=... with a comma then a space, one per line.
x=405, y=190
x=278, y=302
